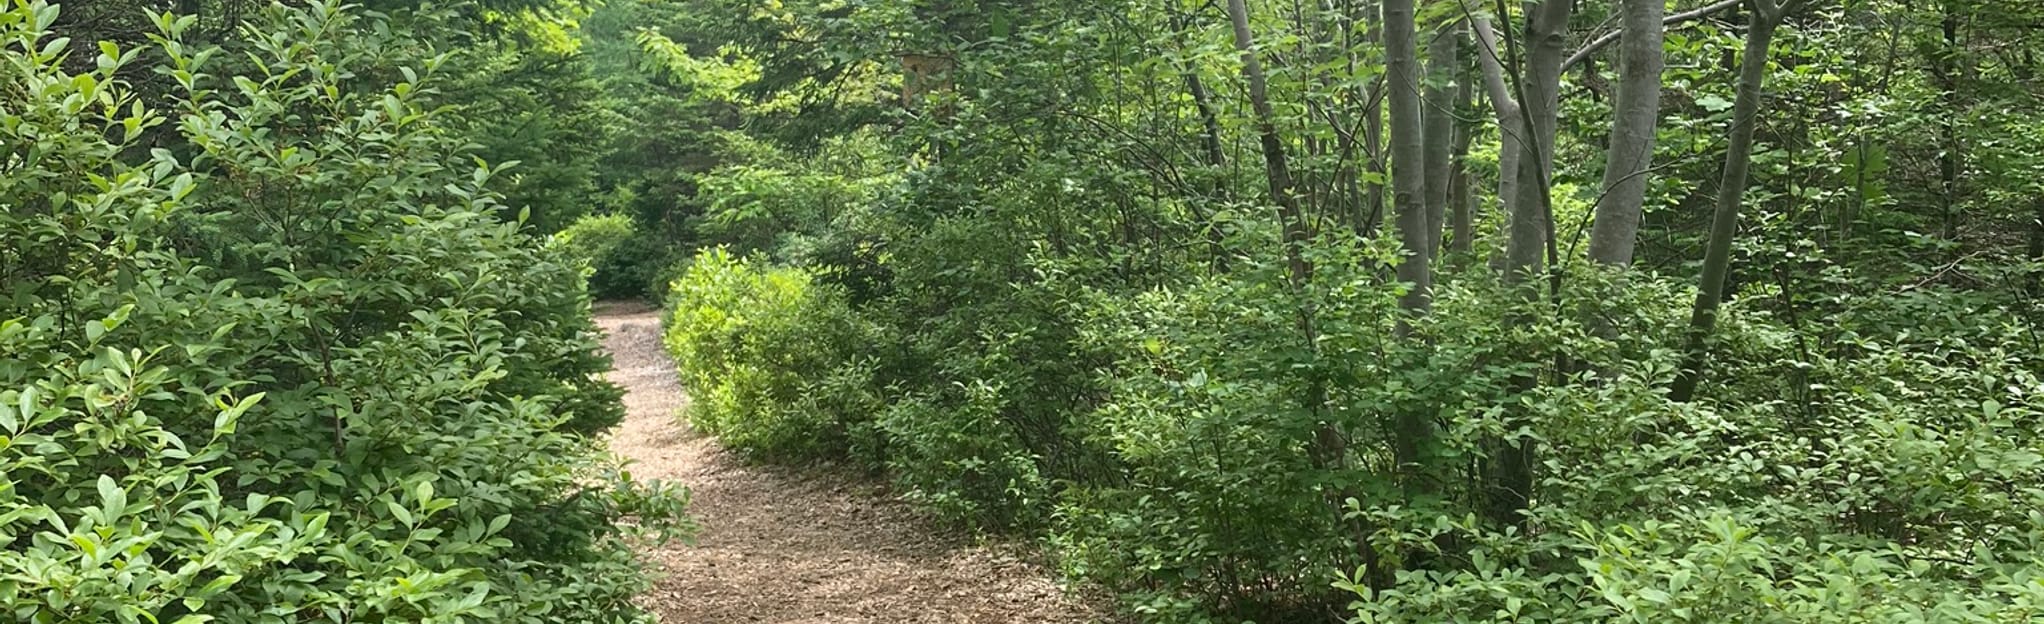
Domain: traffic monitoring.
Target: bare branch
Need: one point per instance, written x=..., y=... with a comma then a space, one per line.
x=1605, y=40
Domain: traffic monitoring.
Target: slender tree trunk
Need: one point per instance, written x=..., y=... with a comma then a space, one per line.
x=1373, y=130
x=1529, y=241
x=1461, y=193
x=1511, y=128
x=1952, y=158
x=1408, y=189
x=1636, y=110
x=2036, y=244
x=1373, y=149
x=1408, y=158
x=1210, y=141
x=1717, y=259
x=1329, y=446
x=1439, y=113
x=1216, y=160
x=1275, y=169
x=1540, y=100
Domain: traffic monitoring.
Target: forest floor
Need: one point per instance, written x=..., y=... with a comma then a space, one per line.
x=801, y=546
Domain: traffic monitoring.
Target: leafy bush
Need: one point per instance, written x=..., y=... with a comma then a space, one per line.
x=749, y=208
x=299, y=372
x=795, y=209
x=1803, y=490
x=1869, y=485
x=1191, y=448
x=1083, y=326
x=641, y=268
x=593, y=238
x=1228, y=506
x=1877, y=487
x=622, y=258
x=758, y=348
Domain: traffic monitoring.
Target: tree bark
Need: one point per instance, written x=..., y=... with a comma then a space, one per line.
x=1952, y=158
x=1511, y=126
x=1461, y=192
x=1275, y=168
x=1373, y=132
x=1636, y=110
x=1529, y=239
x=1583, y=53
x=1439, y=113
x=1408, y=158
x=1210, y=140
x=1540, y=99
x=1408, y=187
x=1329, y=446
x=1717, y=259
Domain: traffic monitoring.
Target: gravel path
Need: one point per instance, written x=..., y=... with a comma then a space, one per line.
x=787, y=546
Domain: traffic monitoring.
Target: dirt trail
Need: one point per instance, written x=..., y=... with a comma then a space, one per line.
x=782, y=546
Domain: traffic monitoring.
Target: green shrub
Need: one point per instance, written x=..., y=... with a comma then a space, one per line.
x=758, y=348
x=621, y=257
x=1225, y=508
x=991, y=378
x=300, y=373
x=956, y=457
x=593, y=238
x=779, y=204
x=1857, y=481
x=1895, y=494
x=633, y=270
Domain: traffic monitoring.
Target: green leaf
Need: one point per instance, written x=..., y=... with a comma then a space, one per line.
x=223, y=423
x=219, y=585
x=112, y=499
x=181, y=186
x=26, y=404
x=402, y=514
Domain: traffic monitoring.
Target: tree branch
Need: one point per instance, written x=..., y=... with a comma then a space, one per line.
x=1612, y=37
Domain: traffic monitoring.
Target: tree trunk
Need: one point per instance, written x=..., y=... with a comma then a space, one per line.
x=1505, y=105
x=1540, y=99
x=1529, y=226
x=1439, y=113
x=1635, y=112
x=1210, y=140
x=1373, y=132
x=1952, y=158
x=1408, y=189
x=1329, y=446
x=1275, y=169
x=1717, y=259
x=1461, y=193
x=1408, y=158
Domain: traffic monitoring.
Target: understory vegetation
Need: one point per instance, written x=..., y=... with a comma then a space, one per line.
x=1339, y=311
x=1269, y=341
x=269, y=353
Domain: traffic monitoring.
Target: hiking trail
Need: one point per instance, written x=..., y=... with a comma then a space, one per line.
x=800, y=546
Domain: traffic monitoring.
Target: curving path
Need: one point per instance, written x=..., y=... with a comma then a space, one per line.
x=781, y=546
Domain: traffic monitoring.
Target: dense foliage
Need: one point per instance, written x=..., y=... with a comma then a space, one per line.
x=268, y=354
x=1119, y=289
x=1358, y=310
x=753, y=342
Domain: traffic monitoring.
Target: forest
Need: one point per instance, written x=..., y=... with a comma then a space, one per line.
x=1221, y=311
